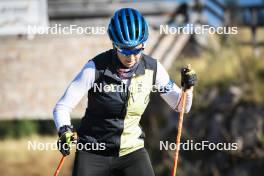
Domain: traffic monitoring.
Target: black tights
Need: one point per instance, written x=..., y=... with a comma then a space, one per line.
x=134, y=164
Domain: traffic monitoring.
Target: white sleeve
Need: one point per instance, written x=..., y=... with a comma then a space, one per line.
x=73, y=94
x=170, y=92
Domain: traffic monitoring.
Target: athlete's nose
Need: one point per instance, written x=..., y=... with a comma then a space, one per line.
x=132, y=57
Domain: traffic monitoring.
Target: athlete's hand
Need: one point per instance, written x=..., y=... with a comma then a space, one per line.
x=188, y=77
x=66, y=137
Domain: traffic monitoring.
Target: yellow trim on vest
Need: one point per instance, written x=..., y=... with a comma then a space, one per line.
x=140, y=88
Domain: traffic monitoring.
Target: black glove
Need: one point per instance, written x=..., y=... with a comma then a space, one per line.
x=66, y=137
x=188, y=78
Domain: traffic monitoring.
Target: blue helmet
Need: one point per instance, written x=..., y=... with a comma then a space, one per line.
x=128, y=28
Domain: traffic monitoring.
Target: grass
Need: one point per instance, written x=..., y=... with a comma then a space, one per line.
x=230, y=65
x=16, y=159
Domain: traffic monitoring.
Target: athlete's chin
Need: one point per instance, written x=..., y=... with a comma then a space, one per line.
x=129, y=64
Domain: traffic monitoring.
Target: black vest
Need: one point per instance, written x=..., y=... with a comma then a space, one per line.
x=112, y=116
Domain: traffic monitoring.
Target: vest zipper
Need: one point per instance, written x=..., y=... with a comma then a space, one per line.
x=124, y=111
x=132, y=97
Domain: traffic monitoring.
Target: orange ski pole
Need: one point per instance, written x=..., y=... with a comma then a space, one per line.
x=59, y=166
x=178, y=138
x=74, y=139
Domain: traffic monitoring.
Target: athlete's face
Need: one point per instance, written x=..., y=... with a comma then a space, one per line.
x=131, y=59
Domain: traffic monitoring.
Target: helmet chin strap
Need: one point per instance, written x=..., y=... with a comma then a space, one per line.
x=144, y=45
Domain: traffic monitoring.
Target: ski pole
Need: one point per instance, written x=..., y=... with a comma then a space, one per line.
x=178, y=138
x=59, y=166
x=74, y=138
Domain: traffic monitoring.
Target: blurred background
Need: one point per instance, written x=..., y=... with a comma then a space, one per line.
x=228, y=101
